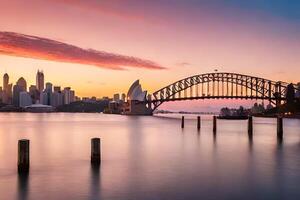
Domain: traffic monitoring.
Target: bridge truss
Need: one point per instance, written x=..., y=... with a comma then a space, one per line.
x=221, y=86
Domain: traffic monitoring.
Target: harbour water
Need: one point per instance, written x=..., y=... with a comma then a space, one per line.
x=148, y=158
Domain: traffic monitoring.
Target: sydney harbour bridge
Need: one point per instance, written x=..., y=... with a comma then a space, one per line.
x=217, y=85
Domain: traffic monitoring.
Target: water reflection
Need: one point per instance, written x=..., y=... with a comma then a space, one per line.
x=95, y=182
x=23, y=186
x=148, y=158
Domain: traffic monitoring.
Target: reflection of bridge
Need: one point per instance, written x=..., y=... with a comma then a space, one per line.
x=220, y=86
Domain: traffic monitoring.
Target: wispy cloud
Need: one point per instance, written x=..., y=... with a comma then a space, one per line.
x=28, y=46
x=183, y=64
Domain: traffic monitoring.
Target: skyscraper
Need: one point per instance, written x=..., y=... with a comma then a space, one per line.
x=5, y=81
x=6, y=92
x=16, y=94
x=25, y=99
x=40, y=81
x=22, y=84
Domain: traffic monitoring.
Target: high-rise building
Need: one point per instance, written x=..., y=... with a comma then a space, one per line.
x=5, y=81
x=6, y=91
x=9, y=93
x=116, y=97
x=40, y=81
x=25, y=99
x=123, y=97
x=72, y=96
x=44, y=98
x=48, y=90
x=57, y=97
x=22, y=83
x=16, y=94
x=69, y=95
x=34, y=93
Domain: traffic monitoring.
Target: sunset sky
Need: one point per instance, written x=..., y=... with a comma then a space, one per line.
x=157, y=41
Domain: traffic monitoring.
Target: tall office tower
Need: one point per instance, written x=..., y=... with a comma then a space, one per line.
x=16, y=95
x=5, y=88
x=22, y=84
x=67, y=94
x=40, y=81
x=9, y=93
x=34, y=93
x=72, y=96
x=48, y=90
x=5, y=81
x=25, y=99
x=56, y=97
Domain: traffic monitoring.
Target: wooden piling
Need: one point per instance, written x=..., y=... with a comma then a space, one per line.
x=250, y=126
x=215, y=124
x=198, y=122
x=23, y=156
x=279, y=128
x=182, y=122
x=95, y=151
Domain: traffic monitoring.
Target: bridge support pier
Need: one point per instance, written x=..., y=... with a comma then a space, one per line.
x=279, y=128
x=250, y=127
x=215, y=124
x=182, y=122
x=198, y=122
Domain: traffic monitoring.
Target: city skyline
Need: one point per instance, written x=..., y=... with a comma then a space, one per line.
x=173, y=39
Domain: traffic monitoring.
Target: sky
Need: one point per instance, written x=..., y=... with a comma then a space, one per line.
x=101, y=47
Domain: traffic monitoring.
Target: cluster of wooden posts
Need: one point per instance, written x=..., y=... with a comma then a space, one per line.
x=250, y=126
x=23, y=154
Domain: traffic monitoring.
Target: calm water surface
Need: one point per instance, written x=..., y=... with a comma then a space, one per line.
x=149, y=158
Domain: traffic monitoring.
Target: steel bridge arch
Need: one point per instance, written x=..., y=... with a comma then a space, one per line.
x=222, y=85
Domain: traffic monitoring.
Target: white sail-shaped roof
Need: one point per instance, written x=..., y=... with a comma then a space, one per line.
x=136, y=93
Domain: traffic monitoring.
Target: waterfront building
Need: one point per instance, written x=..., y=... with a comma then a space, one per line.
x=48, y=90
x=25, y=99
x=136, y=98
x=69, y=95
x=123, y=97
x=72, y=96
x=44, y=98
x=56, y=99
x=7, y=90
x=16, y=95
x=116, y=97
x=40, y=81
x=34, y=93
x=39, y=108
x=22, y=84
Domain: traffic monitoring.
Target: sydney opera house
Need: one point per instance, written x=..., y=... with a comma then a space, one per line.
x=136, y=101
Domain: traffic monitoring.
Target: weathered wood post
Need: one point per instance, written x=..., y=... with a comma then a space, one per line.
x=250, y=126
x=215, y=124
x=23, y=156
x=182, y=122
x=198, y=122
x=95, y=151
x=279, y=128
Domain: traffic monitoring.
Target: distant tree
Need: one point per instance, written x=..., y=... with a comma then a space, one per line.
x=290, y=94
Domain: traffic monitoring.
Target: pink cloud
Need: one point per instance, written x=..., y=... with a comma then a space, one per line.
x=27, y=46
